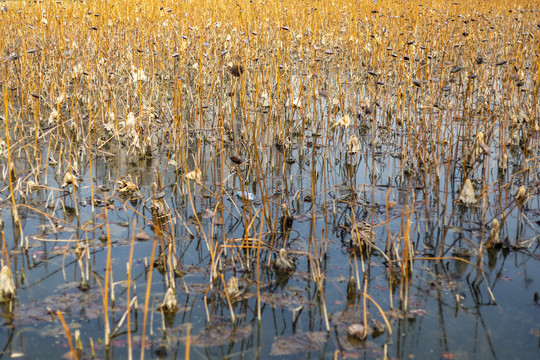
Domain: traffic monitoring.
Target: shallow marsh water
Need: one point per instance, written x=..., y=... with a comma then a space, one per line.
x=449, y=312
x=282, y=132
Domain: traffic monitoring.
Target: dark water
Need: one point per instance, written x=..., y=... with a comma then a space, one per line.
x=448, y=312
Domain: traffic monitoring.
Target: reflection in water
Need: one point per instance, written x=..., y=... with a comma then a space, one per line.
x=303, y=207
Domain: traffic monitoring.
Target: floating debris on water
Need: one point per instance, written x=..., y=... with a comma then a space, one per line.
x=245, y=195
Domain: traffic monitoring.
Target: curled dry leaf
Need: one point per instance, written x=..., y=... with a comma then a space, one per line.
x=353, y=145
x=357, y=331
x=208, y=213
x=194, y=175
x=69, y=179
x=31, y=185
x=467, y=197
x=127, y=187
x=237, y=159
x=158, y=208
x=53, y=117
x=503, y=162
x=494, y=240
x=521, y=193
x=7, y=286
x=131, y=124
x=284, y=263
x=515, y=139
x=77, y=71
x=233, y=290
x=286, y=218
x=12, y=172
x=344, y=121
x=265, y=100
x=479, y=145
x=138, y=74
x=142, y=236
x=362, y=235
x=169, y=303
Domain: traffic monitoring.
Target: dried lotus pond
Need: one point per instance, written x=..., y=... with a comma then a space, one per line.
x=269, y=179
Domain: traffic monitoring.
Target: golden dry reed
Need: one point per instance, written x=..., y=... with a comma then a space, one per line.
x=232, y=92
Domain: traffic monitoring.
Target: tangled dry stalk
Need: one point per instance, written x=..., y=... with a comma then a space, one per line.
x=379, y=119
